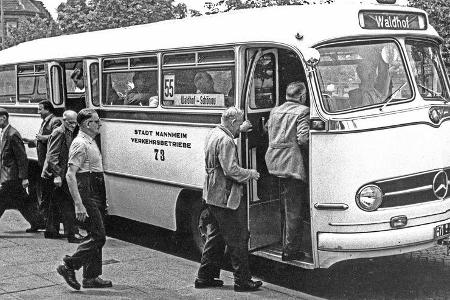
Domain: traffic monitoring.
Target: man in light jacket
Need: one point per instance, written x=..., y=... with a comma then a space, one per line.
x=288, y=129
x=222, y=192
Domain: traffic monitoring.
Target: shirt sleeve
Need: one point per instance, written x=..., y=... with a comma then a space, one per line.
x=230, y=164
x=77, y=154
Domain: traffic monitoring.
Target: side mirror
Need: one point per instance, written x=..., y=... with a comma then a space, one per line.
x=311, y=56
x=389, y=54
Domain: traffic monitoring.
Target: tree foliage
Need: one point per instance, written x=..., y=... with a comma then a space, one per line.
x=226, y=5
x=79, y=15
x=438, y=13
x=31, y=29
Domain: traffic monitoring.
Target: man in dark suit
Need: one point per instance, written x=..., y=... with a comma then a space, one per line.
x=55, y=169
x=14, y=173
x=49, y=123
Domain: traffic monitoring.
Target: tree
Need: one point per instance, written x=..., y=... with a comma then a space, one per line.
x=79, y=15
x=226, y=5
x=31, y=29
x=438, y=13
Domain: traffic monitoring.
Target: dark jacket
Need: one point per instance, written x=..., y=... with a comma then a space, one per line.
x=224, y=176
x=13, y=158
x=47, y=127
x=288, y=127
x=57, y=153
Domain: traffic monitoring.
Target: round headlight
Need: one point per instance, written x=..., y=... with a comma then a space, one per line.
x=369, y=197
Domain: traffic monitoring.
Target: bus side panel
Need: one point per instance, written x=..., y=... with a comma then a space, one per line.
x=146, y=202
x=343, y=163
x=28, y=127
x=147, y=164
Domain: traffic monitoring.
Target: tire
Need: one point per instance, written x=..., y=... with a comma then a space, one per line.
x=199, y=219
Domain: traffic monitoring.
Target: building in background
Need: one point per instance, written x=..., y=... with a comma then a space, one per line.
x=14, y=10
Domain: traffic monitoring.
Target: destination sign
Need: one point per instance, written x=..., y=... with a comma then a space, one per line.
x=392, y=20
x=199, y=100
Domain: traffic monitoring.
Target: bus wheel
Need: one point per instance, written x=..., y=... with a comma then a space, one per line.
x=199, y=220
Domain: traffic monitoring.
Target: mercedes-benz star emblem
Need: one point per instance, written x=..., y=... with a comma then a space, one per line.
x=440, y=185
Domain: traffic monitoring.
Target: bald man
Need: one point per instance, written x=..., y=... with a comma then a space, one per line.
x=55, y=169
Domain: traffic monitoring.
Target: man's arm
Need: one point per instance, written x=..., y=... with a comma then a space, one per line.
x=53, y=151
x=230, y=165
x=303, y=128
x=21, y=158
x=54, y=123
x=80, y=210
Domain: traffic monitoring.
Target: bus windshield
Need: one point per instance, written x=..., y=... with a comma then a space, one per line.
x=427, y=69
x=362, y=74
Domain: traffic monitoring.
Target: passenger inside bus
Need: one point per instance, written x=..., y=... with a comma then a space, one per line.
x=204, y=83
x=374, y=83
x=141, y=94
x=77, y=78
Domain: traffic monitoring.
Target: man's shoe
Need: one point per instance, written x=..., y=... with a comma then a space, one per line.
x=201, y=284
x=96, y=283
x=69, y=276
x=285, y=256
x=248, y=286
x=76, y=238
x=34, y=228
x=52, y=235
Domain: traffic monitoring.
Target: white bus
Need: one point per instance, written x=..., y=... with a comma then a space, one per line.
x=379, y=143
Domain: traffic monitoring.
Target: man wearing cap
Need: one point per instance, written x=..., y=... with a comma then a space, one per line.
x=14, y=172
x=288, y=128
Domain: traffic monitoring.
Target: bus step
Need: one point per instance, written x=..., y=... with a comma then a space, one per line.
x=274, y=253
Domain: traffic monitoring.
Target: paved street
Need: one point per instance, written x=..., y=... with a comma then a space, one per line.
x=28, y=263
x=145, y=263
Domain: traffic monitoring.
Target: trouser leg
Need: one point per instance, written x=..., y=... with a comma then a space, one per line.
x=213, y=251
x=46, y=196
x=89, y=254
x=20, y=200
x=233, y=228
x=292, y=196
x=66, y=210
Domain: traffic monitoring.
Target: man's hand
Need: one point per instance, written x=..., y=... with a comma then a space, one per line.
x=254, y=174
x=40, y=138
x=25, y=183
x=80, y=212
x=246, y=126
x=57, y=181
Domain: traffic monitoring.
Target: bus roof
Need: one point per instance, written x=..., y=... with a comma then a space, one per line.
x=316, y=23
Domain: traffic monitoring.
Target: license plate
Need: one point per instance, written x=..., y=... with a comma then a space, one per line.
x=442, y=230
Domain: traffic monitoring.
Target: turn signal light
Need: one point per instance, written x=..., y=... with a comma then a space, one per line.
x=399, y=221
x=317, y=124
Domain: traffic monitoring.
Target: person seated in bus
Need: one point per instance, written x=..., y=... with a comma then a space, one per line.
x=77, y=78
x=141, y=93
x=374, y=84
x=288, y=129
x=204, y=84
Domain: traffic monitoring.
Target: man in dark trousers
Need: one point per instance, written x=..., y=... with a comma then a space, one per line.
x=14, y=173
x=49, y=123
x=288, y=129
x=222, y=192
x=55, y=169
x=87, y=187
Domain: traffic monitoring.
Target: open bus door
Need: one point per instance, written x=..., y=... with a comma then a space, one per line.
x=261, y=96
x=269, y=71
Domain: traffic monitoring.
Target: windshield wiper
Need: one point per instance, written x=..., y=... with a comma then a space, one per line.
x=433, y=93
x=391, y=96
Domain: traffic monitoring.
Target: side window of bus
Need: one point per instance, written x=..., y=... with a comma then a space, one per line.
x=131, y=82
x=7, y=85
x=264, y=83
x=32, y=84
x=95, y=89
x=199, y=79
